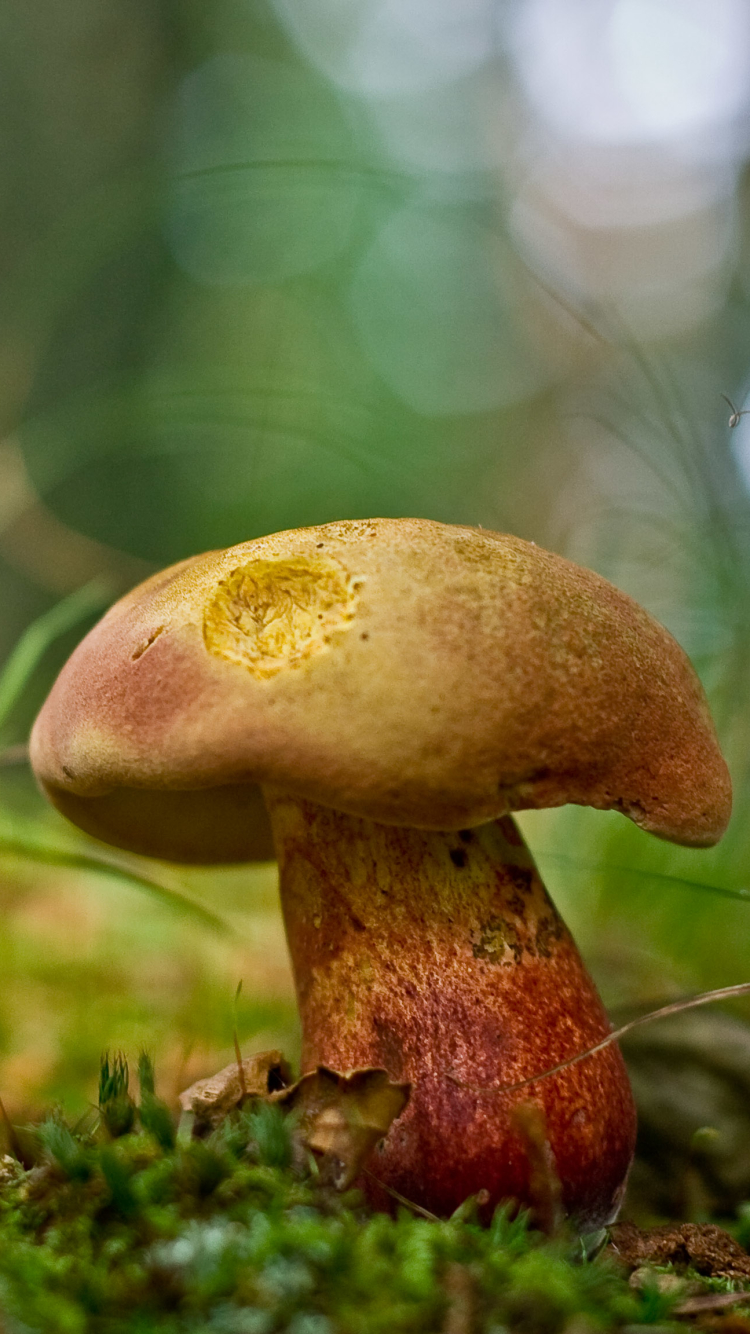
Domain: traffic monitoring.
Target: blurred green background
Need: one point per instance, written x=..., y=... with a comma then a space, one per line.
x=265, y=264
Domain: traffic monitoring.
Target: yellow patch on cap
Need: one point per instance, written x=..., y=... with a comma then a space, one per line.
x=272, y=614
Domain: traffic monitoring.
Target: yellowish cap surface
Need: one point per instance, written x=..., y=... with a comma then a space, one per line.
x=411, y=672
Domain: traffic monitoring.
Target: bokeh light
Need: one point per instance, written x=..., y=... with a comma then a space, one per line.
x=268, y=263
x=264, y=185
x=637, y=134
x=433, y=318
x=382, y=48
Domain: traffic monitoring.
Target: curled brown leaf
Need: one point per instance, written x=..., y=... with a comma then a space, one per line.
x=337, y=1117
x=341, y=1117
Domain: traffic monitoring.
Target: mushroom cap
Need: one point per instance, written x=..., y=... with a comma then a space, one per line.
x=407, y=671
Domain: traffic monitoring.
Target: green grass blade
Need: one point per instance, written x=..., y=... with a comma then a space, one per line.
x=605, y=868
x=42, y=632
x=12, y=755
x=80, y=861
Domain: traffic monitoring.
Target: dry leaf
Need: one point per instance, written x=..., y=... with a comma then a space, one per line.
x=210, y=1100
x=717, y=1301
x=342, y=1116
x=545, y=1191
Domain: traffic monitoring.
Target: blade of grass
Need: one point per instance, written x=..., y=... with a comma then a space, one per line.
x=14, y=755
x=42, y=632
x=237, y=1052
x=172, y=898
x=609, y=868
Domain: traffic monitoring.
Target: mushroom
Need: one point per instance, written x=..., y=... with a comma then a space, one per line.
x=388, y=691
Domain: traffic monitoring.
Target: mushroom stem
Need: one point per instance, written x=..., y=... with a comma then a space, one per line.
x=441, y=957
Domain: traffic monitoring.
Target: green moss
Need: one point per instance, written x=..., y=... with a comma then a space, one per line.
x=111, y=1232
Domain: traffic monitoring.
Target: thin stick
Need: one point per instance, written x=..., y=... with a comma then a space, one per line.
x=424, y=1213
x=713, y=1301
x=676, y=1007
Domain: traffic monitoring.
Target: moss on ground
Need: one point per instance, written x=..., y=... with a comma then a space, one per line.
x=126, y=1224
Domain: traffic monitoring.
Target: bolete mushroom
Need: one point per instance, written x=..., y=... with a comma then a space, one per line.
x=388, y=691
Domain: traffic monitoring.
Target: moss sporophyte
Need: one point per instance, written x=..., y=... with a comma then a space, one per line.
x=231, y=1225
x=369, y=701
x=236, y=1230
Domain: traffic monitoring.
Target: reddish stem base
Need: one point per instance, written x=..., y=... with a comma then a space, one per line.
x=440, y=957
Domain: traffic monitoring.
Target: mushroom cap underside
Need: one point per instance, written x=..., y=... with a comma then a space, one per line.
x=407, y=671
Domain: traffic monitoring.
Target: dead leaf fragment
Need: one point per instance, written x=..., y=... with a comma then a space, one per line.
x=669, y=1285
x=545, y=1191
x=10, y=1169
x=342, y=1116
x=714, y=1301
x=210, y=1100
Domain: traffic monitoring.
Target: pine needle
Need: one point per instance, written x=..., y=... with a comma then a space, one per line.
x=173, y=898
